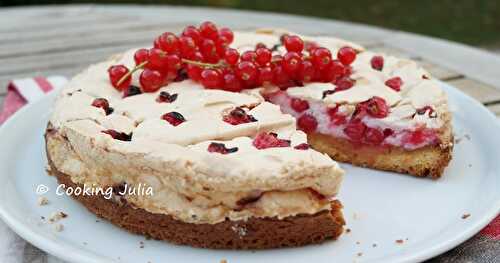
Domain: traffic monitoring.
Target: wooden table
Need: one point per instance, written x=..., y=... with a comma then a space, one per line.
x=63, y=40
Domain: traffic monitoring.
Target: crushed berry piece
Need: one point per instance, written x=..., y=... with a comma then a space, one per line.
x=373, y=136
x=299, y=105
x=425, y=109
x=377, y=63
x=121, y=136
x=103, y=104
x=355, y=130
x=302, y=146
x=166, y=97
x=132, y=91
x=328, y=92
x=221, y=148
x=268, y=140
x=174, y=118
x=388, y=132
x=238, y=116
x=394, y=83
x=344, y=83
x=307, y=123
x=377, y=107
x=335, y=117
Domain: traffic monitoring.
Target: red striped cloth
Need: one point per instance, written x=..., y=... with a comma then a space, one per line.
x=23, y=91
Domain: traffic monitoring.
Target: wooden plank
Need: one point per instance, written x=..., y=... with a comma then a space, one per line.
x=439, y=72
x=480, y=91
x=58, y=20
x=85, y=42
x=94, y=28
x=60, y=60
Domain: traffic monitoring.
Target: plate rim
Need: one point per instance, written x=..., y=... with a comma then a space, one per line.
x=79, y=255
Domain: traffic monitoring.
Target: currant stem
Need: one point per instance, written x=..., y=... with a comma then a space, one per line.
x=140, y=66
x=203, y=64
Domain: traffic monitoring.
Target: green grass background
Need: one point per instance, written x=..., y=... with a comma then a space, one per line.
x=475, y=22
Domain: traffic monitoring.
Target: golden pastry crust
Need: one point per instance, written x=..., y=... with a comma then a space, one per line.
x=255, y=233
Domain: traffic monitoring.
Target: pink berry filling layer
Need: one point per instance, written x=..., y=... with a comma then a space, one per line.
x=314, y=116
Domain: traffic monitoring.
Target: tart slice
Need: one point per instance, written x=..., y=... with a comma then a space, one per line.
x=367, y=109
x=388, y=114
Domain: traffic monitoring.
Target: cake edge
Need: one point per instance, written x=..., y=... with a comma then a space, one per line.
x=254, y=233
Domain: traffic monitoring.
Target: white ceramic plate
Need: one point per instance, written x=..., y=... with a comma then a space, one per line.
x=380, y=207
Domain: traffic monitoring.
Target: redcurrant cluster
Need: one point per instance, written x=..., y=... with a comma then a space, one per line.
x=203, y=54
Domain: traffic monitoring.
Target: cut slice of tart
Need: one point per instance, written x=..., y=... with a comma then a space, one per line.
x=390, y=116
x=364, y=108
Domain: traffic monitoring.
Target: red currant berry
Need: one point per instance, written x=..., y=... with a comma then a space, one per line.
x=346, y=55
x=208, y=30
x=293, y=43
x=221, y=44
x=260, y=45
x=265, y=76
x=208, y=49
x=157, y=59
x=246, y=71
x=394, y=83
x=377, y=107
x=263, y=56
x=373, y=136
x=269, y=140
x=101, y=103
x=211, y=79
x=215, y=147
x=116, y=73
x=169, y=42
x=337, y=68
x=141, y=55
x=377, y=63
x=238, y=116
x=344, y=84
x=194, y=33
x=227, y=33
x=306, y=71
x=310, y=46
x=231, y=56
x=248, y=55
x=151, y=80
x=187, y=46
x=156, y=42
x=173, y=118
x=280, y=77
x=194, y=72
x=307, y=123
x=321, y=58
x=302, y=146
x=291, y=63
x=173, y=62
x=121, y=136
x=232, y=83
x=355, y=130
x=299, y=105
